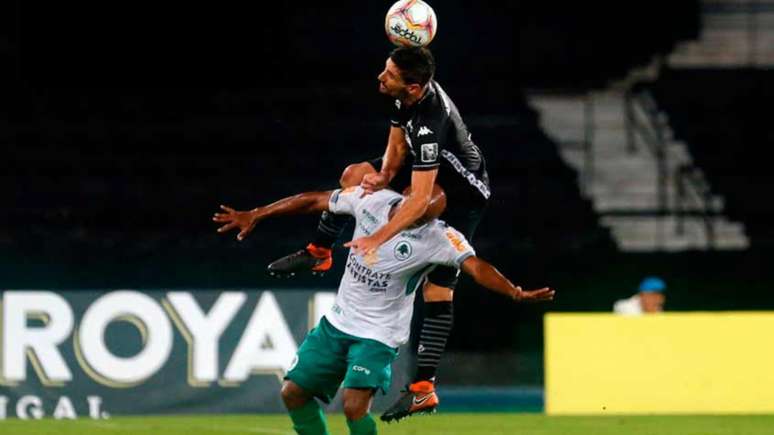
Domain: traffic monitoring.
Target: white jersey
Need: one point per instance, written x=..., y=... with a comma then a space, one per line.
x=376, y=294
x=628, y=307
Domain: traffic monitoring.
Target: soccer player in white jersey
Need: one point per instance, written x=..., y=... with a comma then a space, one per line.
x=355, y=343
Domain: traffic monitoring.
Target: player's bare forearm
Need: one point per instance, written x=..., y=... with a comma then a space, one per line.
x=415, y=206
x=488, y=276
x=303, y=203
x=395, y=154
x=392, y=161
x=408, y=214
x=245, y=221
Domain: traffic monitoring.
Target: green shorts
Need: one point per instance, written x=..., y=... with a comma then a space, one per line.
x=328, y=356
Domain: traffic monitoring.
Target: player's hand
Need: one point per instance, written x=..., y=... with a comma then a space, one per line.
x=243, y=220
x=542, y=295
x=373, y=182
x=363, y=245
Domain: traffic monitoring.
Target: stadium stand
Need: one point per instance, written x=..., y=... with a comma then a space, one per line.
x=721, y=115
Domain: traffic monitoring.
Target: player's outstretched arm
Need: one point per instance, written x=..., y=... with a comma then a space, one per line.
x=245, y=221
x=488, y=276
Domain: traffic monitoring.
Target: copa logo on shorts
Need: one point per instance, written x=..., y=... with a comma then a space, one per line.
x=361, y=369
x=403, y=250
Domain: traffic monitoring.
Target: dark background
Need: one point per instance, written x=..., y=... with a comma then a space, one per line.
x=125, y=124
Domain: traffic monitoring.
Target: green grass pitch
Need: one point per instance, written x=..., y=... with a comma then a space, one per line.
x=447, y=424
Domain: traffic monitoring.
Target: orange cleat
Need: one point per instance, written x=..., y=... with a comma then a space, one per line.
x=312, y=259
x=418, y=398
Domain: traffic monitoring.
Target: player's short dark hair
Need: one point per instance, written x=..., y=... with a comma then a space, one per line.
x=416, y=64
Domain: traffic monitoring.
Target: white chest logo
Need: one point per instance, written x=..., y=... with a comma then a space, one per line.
x=423, y=131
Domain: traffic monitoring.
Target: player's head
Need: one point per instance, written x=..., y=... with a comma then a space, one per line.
x=407, y=72
x=652, y=297
x=436, y=206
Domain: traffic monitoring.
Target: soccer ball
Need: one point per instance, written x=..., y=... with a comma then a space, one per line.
x=411, y=22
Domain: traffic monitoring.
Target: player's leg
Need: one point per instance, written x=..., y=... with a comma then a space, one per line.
x=357, y=404
x=437, y=323
x=317, y=256
x=317, y=371
x=420, y=396
x=438, y=293
x=305, y=412
x=369, y=369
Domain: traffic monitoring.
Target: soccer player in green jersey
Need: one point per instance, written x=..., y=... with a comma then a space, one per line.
x=355, y=343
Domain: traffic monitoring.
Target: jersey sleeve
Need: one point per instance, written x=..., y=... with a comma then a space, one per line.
x=454, y=248
x=345, y=201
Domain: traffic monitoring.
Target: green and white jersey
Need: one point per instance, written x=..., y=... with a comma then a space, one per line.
x=376, y=294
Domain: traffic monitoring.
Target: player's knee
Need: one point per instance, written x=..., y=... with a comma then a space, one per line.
x=292, y=395
x=355, y=409
x=354, y=173
x=356, y=402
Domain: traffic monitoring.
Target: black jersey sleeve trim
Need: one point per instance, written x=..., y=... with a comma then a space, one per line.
x=425, y=167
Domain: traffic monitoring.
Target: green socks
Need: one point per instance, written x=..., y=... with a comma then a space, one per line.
x=363, y=426
x=309, y=419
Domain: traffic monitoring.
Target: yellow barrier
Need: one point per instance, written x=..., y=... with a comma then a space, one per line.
x=671, y=363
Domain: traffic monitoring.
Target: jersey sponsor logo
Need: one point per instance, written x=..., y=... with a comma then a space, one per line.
x=424, y=131
x=429, y=152
x=403, y=250
x=364, y=274
x=397, y=104
x=456, y=241
x=368, y=216
x=361, y=369
x=411, y=236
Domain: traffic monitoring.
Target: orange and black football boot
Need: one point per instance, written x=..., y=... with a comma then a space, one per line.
x=417, y=398
x=312, y=259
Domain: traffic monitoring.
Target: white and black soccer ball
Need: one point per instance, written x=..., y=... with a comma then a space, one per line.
x=411, y=23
